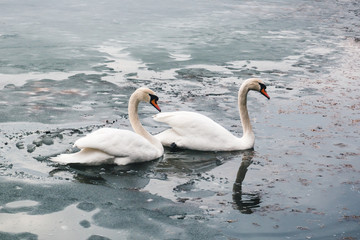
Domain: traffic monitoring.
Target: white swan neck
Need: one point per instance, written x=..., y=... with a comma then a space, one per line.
x=244, y=115
x=135, y=121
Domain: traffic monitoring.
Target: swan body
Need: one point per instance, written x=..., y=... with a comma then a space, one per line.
x=117, y=146
x=190, y=130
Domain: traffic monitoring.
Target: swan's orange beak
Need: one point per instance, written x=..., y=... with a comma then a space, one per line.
x=263, y=92
x=154, y=103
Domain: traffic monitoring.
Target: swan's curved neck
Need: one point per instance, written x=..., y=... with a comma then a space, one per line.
x=244, y=115
x=136, y=124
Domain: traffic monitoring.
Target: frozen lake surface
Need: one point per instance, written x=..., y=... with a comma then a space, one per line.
x=68, y=68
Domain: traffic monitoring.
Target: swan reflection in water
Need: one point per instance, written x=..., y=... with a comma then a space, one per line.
x=137, y=176
x=244, y=202
x=133, y=176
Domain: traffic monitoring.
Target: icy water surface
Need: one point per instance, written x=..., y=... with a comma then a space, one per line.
x=68, y=68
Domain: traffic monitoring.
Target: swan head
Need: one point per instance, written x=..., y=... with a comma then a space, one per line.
x=256, y=84
x=147, y=95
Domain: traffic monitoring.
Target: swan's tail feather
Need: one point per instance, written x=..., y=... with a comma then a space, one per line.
x=85, y=156
x=64, y=158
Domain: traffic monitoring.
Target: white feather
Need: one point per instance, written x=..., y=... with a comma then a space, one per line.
x=116, y=146
x=195, y=131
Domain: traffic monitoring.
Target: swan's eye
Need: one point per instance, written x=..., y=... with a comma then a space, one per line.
x=262, y=86
x=153, y=97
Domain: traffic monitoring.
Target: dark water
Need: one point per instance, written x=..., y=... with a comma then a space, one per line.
x=68, y=68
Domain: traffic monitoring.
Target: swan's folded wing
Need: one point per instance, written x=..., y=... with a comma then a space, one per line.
x=189, y=123
x=181, y=119
x=174, y=118
x=116, y=142
x=195, y=131
x=190, y=129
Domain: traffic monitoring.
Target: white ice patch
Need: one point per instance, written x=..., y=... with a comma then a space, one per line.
x=22, y=78
x=21, y=204
x=124, y=65
x=284, y=65
x=180, y=56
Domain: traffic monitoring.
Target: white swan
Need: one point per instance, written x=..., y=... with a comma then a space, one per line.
x=116, y=146
x=190, y=130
